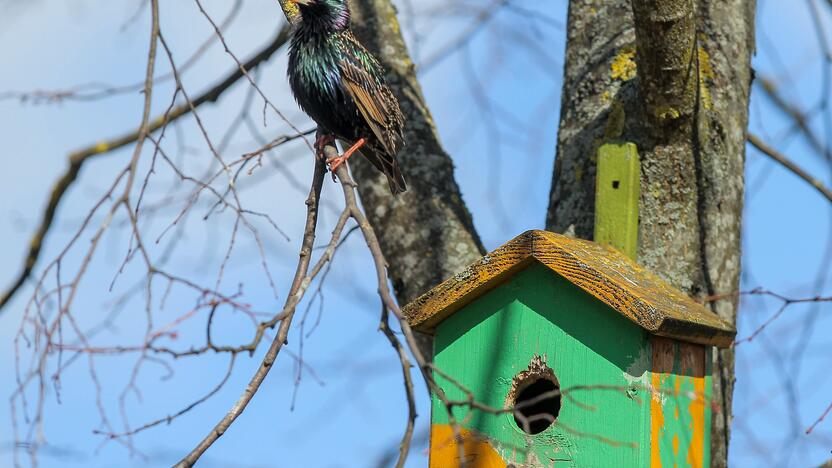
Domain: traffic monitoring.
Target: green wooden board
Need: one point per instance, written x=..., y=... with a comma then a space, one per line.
x=485, y=344
x=617, y=189
x=685, y=414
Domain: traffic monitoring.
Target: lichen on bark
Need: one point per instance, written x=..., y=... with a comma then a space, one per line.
x=686, y=108
x=427, y=233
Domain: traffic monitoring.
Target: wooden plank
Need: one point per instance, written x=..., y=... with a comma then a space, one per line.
x=435, y=305
x=663, y=351
x=603, y=272
x=617, y=189
x=600, y=360
x=680, y=407
x=477, y=450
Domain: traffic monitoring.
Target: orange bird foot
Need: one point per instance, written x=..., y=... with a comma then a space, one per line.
x=337, y=161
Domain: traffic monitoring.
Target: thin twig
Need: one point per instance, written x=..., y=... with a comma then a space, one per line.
x=800, y=118
x=78, y=158
x=370, y=238
x=788, y=164
x=404, y=446
x=296, y=292
x=168, y=419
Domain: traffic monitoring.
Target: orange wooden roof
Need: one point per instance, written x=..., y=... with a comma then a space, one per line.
x=603, y=272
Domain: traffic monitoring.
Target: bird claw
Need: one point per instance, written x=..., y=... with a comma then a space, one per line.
x=321, y=142
x=335, y=162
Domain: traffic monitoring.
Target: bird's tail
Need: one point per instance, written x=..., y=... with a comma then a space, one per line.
x=389, y=166
x=395, y=179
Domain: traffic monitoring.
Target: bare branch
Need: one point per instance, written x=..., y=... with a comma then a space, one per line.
x=170, y=418
x=800, y=118
x=788, y=164
x=299, y=285
x=78, y=158
x=94, y=91
x=404, y=447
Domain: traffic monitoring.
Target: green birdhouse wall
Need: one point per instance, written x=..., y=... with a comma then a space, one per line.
x=575, y=355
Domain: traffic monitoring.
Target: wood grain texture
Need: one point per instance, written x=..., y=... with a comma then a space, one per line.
x=680, y=406
x=606, y=274
x=478, y=452
x=692, y=186
x=427, y=233
x=617, y=190
x=600, y=359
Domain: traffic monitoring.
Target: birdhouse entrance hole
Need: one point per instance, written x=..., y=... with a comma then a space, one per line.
x=535, y=397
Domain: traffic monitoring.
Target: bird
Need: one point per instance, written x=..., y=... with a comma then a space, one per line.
x=341, y=86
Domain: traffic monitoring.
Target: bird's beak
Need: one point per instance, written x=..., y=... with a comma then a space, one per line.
x=303, y=2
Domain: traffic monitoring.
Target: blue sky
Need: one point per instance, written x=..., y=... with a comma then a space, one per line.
x=349, y=407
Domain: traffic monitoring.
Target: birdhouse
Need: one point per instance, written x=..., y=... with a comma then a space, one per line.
x=554, y=351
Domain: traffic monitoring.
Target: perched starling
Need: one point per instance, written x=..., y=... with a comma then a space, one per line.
x=341, y=86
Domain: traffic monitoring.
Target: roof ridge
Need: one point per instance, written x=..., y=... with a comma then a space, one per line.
x=611, y=277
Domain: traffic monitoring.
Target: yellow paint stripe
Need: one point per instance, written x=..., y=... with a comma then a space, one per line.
x=697, y=414
x=444, y=451
x=656, y=420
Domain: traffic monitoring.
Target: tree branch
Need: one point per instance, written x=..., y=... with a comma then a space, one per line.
x=78, y=158
x=691, y=163
x=788, y=164
x=665, y=38
x=800, y=118
x=427, y=234
x=299, y=285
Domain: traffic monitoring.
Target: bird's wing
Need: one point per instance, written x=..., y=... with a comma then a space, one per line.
x=364, y=83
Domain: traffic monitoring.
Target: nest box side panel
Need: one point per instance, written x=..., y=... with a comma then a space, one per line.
x=680, y=407
x=601, y=362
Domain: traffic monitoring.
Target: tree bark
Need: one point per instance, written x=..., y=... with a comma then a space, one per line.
x=680, y=92
x=427, y=233
x=673, y=77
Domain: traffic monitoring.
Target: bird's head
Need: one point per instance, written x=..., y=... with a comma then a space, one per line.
x=331, y=15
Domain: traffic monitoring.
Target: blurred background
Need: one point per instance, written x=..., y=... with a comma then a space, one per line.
x=491, y=72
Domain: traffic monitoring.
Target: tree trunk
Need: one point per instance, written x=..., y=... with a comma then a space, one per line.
x=685, y=105
x=426, y=233
x=673, y=77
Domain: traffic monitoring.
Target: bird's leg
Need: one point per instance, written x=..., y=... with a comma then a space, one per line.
x=323, y=140
x=337, y=161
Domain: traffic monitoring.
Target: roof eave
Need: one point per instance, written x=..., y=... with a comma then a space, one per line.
x=590, y=271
